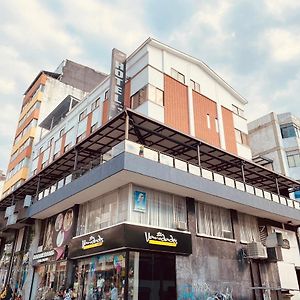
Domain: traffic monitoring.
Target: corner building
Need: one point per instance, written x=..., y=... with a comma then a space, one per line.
x=147, y=191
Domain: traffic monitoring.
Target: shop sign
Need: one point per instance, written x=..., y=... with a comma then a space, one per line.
x=131, y=237
x=43, y=256
x=117, y=82
x=160, y=239
x=92, y=242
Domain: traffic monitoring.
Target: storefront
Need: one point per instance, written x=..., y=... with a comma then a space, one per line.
x=127, y=262
x=50, y=262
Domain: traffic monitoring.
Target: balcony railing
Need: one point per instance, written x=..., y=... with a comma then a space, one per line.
x=166, y=159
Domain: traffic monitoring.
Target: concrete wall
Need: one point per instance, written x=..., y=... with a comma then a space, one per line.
x=218, y=266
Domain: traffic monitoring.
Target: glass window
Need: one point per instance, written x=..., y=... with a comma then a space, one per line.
x=237, y=111
x=101, y=277
x=293, y=160
x=159, y=209
x=208, y=121
x=139, y=97
x=248, y=228
x=213, y=221
x=177, y=75
x=238, y=136
x=195, y=86
x=82, y=115
x=288, y=130
x=104, y=211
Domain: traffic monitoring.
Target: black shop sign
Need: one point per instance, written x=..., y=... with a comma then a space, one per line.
x=131, y=237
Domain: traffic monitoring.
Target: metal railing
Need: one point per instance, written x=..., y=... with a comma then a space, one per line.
x=172, y=161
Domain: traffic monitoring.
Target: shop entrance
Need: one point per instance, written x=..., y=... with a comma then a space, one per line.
x=152, y=276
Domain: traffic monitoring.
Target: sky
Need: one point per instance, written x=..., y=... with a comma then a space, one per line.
x=253, y=45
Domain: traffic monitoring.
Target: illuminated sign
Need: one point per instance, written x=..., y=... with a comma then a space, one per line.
x=160, y=239
x=92, y=242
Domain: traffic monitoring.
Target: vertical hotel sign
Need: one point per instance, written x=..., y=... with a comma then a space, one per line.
x=117, y=82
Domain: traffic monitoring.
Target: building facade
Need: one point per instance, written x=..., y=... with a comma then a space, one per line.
x=282, y=144
x=145, y=190
x=43, y=94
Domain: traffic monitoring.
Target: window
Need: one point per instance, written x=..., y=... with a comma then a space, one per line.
x=240, y=137
x=293, y=159
x=80, y=137
x=106, y=94
x=94, y=127
x=139, y=97
x=148, y=92
x=208, y=121
x=95, y=104
x=248, y=228
x=178, y=76
x=82, y=115
x=213, y=221
x=195, y=86
x=289, y=130
x=160, y=210
x=217, y=125
x=61, y=133
x=238, y=111
x=103, y=211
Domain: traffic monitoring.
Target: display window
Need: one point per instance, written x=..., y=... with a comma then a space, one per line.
x=52, y=278
x=101, y=277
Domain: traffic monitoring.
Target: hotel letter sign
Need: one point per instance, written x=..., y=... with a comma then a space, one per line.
x=117, y=82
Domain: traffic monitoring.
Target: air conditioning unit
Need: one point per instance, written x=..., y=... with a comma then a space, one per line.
x=256, y=250
x=180, y=225
x=274, y=254
x=27, y=201
x=9, y=211
x=12, y=219
x=274, y=239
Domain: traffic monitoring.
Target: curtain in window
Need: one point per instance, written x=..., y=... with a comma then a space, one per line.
x=213, y=220
x=162, y=209
x=103, y=211
x=248, y=228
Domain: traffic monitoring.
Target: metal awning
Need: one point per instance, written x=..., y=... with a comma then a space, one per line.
x=158, y=136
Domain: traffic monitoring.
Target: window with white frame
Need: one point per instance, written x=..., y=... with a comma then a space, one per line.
x=195, y=86
x=293, y=159
x=82, y=115
x=208, y=121
x=249, y=230
x=148, y=92
x=213, y=221
x=160, y=209
x=238, y=111
x=177, y=75
x=217, y=125
x=95, y=104
x=104, y=211
x=240, y=137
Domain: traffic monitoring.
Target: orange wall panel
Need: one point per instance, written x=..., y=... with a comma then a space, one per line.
x=62, y=145
x=41, y=80
x=33, y=115
x=176, y=104
x=230, y=141
x=127, y=94
x=203, y=107
x=40, y=160
x=89, y=124
x=25, y=153
x=105, y=111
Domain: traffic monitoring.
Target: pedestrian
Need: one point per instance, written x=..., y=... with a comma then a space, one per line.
x=6, y=293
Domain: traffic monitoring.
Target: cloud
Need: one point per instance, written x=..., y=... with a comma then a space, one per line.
x=281, y=9
x=284, y=45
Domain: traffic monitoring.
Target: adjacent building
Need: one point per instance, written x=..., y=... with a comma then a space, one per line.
x=42, y=95
x=145, y=189
x=277, y=138
x=2, y=179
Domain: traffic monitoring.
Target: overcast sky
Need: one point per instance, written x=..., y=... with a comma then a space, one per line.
x=253, y=45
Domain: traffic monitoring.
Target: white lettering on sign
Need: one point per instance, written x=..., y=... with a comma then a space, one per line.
x=92, y=242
